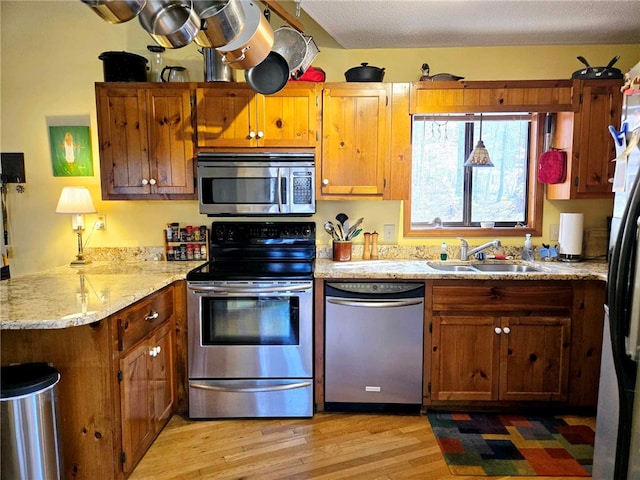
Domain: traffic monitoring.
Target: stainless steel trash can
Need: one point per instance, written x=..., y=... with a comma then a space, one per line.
x=30, y=446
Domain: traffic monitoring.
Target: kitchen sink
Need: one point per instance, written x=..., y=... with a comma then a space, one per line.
x=483, y=267
x=452, y=268
x=505, y=267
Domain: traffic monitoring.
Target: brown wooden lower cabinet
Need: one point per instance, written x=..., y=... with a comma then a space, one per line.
x=118, y=381
x=504, y=343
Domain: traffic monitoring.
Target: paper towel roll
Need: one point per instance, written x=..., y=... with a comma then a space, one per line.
x=570, y=236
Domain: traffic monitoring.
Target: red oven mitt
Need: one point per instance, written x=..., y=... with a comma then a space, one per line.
x=552, y=167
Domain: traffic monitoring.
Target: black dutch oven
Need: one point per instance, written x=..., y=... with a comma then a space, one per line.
x=364, y=73
x=123, y=67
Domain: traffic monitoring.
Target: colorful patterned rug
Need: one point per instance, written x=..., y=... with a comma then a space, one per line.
x=492, y=444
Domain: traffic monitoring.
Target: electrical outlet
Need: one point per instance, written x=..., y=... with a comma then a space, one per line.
x=389, y=234
x=101, y=221
x=554, y=232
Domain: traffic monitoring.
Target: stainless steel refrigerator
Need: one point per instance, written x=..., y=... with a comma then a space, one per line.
x=617, y=442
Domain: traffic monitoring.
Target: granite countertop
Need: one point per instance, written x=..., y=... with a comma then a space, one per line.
x=420, y=269
x=70, y=296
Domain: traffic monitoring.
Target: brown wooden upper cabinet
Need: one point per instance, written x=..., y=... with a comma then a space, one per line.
x=491, y=96
x=356, y=128
x=146, y=141
x=234, y=115
x=585, y=137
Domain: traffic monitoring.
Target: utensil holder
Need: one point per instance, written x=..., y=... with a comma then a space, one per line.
x=341, y=251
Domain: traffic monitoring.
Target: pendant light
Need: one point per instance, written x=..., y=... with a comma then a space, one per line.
x=479, y=156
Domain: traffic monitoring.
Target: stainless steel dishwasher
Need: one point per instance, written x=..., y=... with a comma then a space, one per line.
x=373, y=346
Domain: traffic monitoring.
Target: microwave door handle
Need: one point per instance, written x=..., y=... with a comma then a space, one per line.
x=280, y=189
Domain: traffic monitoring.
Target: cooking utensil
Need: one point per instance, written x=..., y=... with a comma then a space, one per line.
x=222, y=22
x=253, y=45
x=354, y=227
x=341, y=217
x=215, y=70
x=298, y=50
x=607, y=72
x=171, y=23
x=364, y=73
x=269, y=76
x=116, y=11
x=123, y=67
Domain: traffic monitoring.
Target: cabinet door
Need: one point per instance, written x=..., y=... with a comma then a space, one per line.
x=290, y=117
x=465, y=357
x=162, y=374
x=136, y=404
x=601, y=107
x=171, y=152
x=534, y=358
x=225, y=117
x=122, y=134
x=355, y=141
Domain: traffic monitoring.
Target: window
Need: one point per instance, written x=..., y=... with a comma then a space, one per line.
x=459, y=197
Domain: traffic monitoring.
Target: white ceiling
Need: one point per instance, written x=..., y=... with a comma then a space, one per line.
x=460, y=23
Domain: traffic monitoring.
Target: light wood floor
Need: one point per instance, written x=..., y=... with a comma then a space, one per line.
x=328, y=446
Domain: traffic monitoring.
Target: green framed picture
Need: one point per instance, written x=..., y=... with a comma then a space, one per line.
x=71, y=151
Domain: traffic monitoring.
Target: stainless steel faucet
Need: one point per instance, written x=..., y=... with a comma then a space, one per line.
x=465, y=253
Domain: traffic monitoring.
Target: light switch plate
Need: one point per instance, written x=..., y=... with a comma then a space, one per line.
x=389, y=234
x=554, y=231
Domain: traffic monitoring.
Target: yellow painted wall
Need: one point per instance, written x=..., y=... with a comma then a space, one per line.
x=49, y=53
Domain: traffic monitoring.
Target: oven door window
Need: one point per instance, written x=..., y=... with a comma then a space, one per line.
x=251, y=320
x=243, y=190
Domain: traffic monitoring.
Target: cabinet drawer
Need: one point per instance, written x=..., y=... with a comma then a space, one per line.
x=139, y=320
x=539, y=297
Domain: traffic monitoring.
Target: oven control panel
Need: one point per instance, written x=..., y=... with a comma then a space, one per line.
x=267, y=233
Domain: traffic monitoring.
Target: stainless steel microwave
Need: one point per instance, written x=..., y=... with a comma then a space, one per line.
x=247, y=184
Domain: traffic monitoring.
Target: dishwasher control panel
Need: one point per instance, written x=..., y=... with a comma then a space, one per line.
x=376, y=288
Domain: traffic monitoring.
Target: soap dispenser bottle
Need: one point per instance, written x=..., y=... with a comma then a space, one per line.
x=527, y=251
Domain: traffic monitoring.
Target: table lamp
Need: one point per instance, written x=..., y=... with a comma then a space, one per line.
x=76, y=201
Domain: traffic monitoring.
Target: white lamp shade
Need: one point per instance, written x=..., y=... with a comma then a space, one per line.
x=75, y=200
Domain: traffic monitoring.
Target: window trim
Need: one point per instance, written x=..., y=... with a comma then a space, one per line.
x=535, y=200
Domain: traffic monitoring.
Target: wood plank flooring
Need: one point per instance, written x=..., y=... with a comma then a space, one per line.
x=329, y=446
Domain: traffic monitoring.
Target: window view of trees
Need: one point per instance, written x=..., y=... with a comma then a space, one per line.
x=464, y=196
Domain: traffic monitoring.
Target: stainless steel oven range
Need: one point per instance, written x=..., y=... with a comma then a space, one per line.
x=250, y=315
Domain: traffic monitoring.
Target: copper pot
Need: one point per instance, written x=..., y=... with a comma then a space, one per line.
x=116, y=11
x=253, y=45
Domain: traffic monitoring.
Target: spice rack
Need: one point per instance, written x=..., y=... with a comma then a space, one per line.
x=187, y=243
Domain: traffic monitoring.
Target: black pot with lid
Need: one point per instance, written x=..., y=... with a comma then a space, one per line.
x=123, y=67
x=364, y=73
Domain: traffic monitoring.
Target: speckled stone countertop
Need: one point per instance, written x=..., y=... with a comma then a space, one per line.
x=428, y=269
x=68, y=296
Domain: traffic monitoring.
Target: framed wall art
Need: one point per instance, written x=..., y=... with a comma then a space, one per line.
x=71, y=151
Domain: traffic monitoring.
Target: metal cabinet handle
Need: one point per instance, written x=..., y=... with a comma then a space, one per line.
x=152, y=315
x=498, y=330
x=506, y=330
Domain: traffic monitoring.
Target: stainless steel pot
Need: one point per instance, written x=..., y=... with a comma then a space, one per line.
x=222, y=22
x=116, y=11
x=215, y=70
x=253, y=45
x=171, y=23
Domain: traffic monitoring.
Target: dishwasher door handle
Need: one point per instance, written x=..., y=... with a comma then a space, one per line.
x=376, y=304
